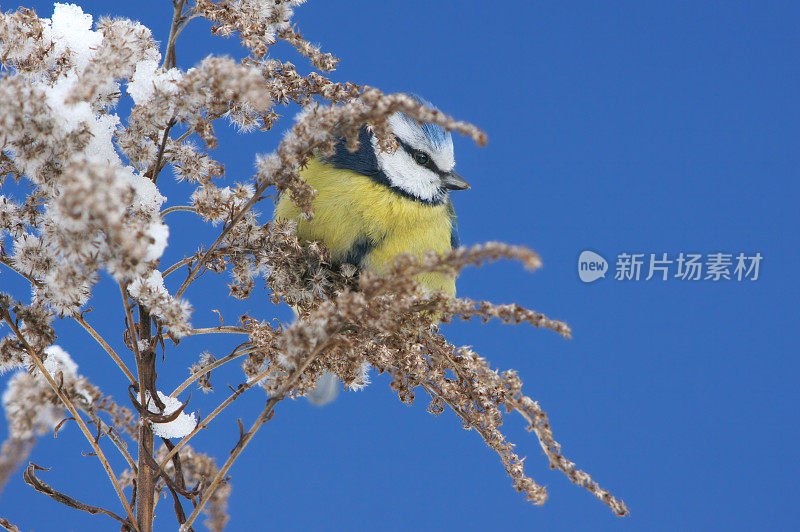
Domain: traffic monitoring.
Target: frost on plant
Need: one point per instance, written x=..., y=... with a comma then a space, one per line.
x=82, y=200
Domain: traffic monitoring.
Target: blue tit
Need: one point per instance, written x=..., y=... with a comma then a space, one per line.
x=372, y=205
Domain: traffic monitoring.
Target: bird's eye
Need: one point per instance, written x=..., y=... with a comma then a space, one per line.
x=421, y=158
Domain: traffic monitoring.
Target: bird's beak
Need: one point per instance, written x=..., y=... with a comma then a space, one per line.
x=453, y=181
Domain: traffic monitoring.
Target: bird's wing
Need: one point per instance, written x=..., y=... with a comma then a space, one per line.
x=361, y=247
x=451, y=212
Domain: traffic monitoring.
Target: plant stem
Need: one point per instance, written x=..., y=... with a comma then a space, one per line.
x=146, y=361
x=145, y=479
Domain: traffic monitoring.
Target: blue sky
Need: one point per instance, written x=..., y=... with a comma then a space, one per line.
x=635, y=127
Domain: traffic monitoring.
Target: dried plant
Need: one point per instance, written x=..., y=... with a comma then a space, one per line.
x=92, y=208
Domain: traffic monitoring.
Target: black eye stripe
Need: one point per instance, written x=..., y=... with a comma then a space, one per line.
x=430, y=165
x=364, y=162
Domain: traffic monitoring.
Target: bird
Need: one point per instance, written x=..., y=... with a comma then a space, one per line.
x=372, y=205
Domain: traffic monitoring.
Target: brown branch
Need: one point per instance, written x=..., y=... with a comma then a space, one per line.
x=222, y=406
x=191, y=259
x=6, y=524
x=175, y=488
x=155, y=170
x=243, y=388
x=434, y=392
x=150, y=416
x=538, y=423
x=323, y=61
x=186, y=21
x=30, y=478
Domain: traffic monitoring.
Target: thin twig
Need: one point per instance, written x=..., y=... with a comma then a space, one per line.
x=158, y=166
x=145, y=480
x=186, y=22
x=183, y=262
x=239, y=391
x=174, y=31
x=432, y=390
x=8, y=525
x=134, y=335
x=184, y=136
x=558, y=461
x=8, y=262
x=191, y=259
x=221, y=329
x=73, y=410
x=210, y=367
x=112, y=434
x=180, y=481
x=176, y=208
x=108, y=349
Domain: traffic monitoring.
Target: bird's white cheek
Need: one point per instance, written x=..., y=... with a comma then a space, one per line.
x=409, y=176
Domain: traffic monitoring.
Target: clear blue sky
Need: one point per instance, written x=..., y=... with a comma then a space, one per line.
x=643, y=127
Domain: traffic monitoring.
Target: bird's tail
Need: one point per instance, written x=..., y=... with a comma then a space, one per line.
x=325, y=391
x=327, y=387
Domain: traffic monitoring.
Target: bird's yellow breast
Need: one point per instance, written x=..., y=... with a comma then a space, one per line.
x=350, y=207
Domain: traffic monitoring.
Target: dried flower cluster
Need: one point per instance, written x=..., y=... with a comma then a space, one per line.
x=85, y=202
